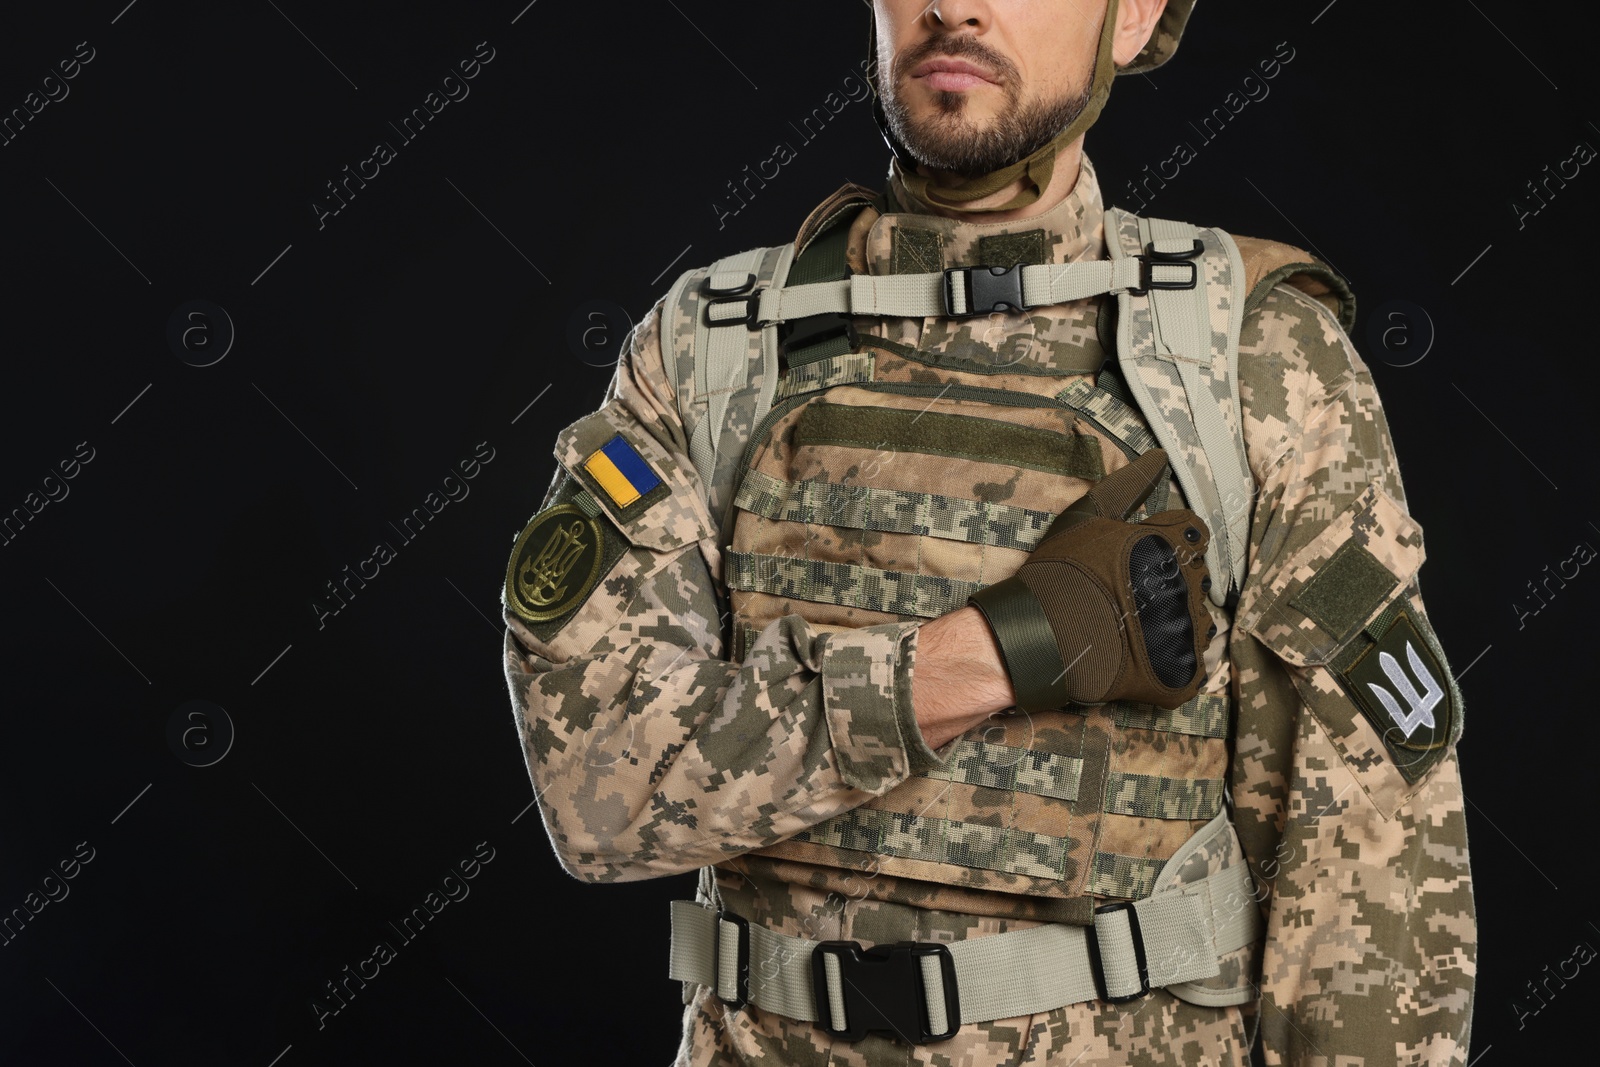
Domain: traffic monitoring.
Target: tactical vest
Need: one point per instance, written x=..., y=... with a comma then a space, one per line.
x=867, y=476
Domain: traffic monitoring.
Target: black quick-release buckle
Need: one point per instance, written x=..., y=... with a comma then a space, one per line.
x=1098, y=967
x=741, y=968
x=883, y=990
x=752, y=305
x=987, y=290
x=800, y=334
x=1152, y=259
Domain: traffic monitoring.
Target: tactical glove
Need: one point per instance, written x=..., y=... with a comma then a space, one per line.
x=1104, y=609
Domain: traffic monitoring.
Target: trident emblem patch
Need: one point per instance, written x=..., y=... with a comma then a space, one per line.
x=554, y=564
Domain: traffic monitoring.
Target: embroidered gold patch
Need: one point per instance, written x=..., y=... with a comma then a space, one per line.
x=554, y=563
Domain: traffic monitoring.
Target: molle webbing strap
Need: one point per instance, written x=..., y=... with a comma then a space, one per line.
x=899, y=430
x=956, y=291
x=905, y=593
x=864, y=507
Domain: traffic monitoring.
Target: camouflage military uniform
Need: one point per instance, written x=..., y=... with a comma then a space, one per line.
x=743, y=705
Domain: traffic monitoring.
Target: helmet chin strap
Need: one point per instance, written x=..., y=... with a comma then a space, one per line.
x=1034, y=170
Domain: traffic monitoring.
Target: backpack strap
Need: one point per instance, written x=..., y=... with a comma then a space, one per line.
x=726, y=388
x=1178, y=350
x=734, y=358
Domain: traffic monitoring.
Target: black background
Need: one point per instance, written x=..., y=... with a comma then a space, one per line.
x=372, y=354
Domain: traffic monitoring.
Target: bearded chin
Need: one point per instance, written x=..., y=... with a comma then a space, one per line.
x=948, y=140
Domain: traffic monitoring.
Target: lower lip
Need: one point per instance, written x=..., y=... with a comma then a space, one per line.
x=949, y=81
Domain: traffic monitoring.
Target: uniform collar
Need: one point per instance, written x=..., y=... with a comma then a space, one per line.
x=914, y=240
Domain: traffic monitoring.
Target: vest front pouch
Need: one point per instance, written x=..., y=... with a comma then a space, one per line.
x=869, y=502
x=621, y=508
x=1340, y=613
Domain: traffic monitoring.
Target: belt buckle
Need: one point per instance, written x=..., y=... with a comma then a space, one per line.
x=741, y=968
x=1097, y=966
x=883, y=990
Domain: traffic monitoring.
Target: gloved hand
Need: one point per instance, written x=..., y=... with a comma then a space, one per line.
x=1104, y=609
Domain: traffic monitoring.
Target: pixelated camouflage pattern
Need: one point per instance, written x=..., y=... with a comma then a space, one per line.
x=1163, y=40
x=652, y=750
x=1158, y=1031
x=842, y=533
x=1162, y=372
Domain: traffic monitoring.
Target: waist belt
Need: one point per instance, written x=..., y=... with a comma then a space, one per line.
x=924, y=991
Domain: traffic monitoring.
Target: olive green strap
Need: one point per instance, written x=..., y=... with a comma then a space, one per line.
x=1027, y=643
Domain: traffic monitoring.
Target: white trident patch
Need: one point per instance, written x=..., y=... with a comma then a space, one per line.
x=1421, y=705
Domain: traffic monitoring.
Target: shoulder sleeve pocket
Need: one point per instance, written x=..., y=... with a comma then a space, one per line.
x=622, y=507
x=655, y=500
x=1339, y=612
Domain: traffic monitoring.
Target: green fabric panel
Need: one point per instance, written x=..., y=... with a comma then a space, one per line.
x=965, y=844
x=1149, y=796
x=1346, y=590
x=1083, y=359
x=1206, y=715
x=831, y=348
x=1009, y=249
x=959, y=436
x=1132, y=877
x=1012, y=768
x=902, y=593
x=915, y=251
x=824, y=258
x=818, y=502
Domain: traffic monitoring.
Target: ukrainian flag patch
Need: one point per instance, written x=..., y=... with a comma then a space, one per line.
x=620, y=472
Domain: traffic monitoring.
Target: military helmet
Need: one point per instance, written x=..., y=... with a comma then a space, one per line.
x=1164, y=40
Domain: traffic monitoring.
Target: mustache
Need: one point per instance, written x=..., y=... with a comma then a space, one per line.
x=956, y=47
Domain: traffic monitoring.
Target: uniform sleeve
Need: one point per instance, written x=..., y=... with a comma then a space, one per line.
x=650, y=752
x=1345, y=782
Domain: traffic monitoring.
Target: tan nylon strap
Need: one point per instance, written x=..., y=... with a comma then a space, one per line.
x=724, y=354
x=1186, y=930
x=1166, y=346
x=920, y=296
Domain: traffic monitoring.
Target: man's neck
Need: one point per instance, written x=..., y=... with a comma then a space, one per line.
x=1062, y=179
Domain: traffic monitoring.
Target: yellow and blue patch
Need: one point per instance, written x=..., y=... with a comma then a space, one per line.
x=620, y=472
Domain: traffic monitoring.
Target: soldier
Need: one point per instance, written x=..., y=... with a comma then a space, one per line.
x=862, y=594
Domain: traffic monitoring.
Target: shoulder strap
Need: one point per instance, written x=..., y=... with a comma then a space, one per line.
x=1178, y=349
x=732, y=374
x=734, y=353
